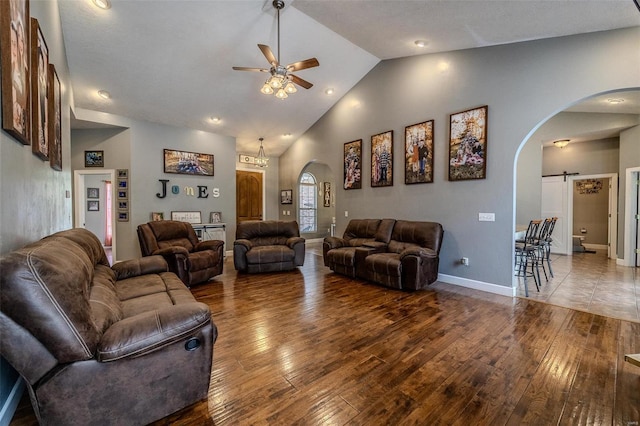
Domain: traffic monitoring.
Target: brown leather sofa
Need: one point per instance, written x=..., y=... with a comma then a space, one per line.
x=268, y=246
x=104, y=345
x=192, y=260
x=396, y=253
x=340, y=254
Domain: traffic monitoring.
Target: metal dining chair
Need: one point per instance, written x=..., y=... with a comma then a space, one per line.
x=526, y=254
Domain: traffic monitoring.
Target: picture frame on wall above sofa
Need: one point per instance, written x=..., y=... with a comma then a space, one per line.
x=188, y=163
x=286, y=196
x=382, y=159
x=16, y=77
x=353, y=165
x=55, y=120
x=468, y=144
x=94, y=158
x=39, y=92
x=156, y=216
x=418, y=153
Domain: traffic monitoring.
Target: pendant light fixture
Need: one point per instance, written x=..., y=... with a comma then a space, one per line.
x=261, y=159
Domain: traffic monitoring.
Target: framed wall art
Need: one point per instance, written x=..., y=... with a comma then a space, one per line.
x=327, y=194
x=39, y=92
x=156, y=216
x=286, y=196
x=190, y=216
x=382, y=159
x=94, y=158
x=352, y=165
x=55, y=122
x=93, y=192
x=123, y=216
x=123, y=194
x=188, y=163
x=16, y=71
x=93, y=205
x=418, y=153
x=215, y=217
x=468, y=144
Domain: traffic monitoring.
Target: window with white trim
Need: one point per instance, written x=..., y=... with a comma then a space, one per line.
x=308, y=205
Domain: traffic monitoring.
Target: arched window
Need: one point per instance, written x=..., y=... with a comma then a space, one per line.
x=307, y=212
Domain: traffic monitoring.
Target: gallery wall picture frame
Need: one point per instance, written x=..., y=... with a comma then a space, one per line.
x=156, y=216
x=418, y=153
x=123, y=216
x=123, y=173
x=326, y=190
x=94, y=158
x=286, y=196
x=93, y=205
x=15, y=36
x=188, y=163
x=123, y=183
x=382, y=159
x=352, y=160
x=187, y=216
x=55, y=120
x=468, y=144
x=123, y=194
x=215, y=217
x=123, y=205
x=39, y=92
x=93, y=192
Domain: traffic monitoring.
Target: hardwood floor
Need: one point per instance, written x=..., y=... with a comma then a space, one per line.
x=310, y=347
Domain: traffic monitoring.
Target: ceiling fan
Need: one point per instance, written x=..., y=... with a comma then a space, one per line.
x=281, y=82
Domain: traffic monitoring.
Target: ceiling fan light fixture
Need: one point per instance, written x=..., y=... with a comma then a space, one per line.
x=266, y=89
x=281, y=94
x=275, y=81
x=290, y=88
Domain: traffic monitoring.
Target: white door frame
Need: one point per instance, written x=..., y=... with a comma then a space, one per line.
x=80, y=200
x=612, y=229
x=630, y=224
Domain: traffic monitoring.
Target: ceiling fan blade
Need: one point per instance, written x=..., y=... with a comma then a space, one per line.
x=301, y=65
x=300, y=82
x=266, y=51
x=250, y=69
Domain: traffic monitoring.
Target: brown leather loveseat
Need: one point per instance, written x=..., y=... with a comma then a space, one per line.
x=268, y=246
x=192, y=260
x=104, y=345
x=395, y=253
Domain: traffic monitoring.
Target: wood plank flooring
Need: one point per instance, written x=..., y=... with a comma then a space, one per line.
x=310, y=347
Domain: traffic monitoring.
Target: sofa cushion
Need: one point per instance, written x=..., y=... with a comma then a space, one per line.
x=106, y=308
x=270, y=254
x=361, y=229
x=385, y=264
x=342, y=256
x=151, y=292
x=203, y=259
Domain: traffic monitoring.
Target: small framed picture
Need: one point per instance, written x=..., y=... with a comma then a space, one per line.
x=123, y=183
x=286, y=196
x=156, y=216
x=93, y=205
x=418, y=153
x=215, y=217
x=123, y=216
x=123, y=194
x=123, y=205
x=189, y=216
x=123, y=173
x=327, y=194
x=94, y=158
x=93, y=192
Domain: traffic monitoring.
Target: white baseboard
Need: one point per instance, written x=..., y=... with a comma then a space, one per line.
x=8, y=409
x=595, y=246
x=478, y=285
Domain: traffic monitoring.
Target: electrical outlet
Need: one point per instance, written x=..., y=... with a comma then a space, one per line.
x=487, y=217
x=465, y=261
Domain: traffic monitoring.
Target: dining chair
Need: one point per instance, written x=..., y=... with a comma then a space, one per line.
x=526, y=254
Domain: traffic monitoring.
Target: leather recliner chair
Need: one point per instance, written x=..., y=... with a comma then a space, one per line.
x=268, y=246
x=192, y=260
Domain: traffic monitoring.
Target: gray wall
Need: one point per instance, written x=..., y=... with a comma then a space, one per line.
x=629, y=158
x=33, y=200
x=523, y=84
x=585, y=158
x=95, y=220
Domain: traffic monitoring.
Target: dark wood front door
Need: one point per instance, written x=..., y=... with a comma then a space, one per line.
x=248, y=195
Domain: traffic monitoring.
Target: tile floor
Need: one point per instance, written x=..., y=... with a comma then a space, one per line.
x=590, y=282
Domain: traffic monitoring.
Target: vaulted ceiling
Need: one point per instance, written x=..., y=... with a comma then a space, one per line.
x=170, y=61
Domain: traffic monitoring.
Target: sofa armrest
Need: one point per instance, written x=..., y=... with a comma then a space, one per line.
x=142, y=266
x=246, y=244
x=421, y=252
x=214, y=245
x=149, y=331
x=292, y=241
x=334, y=242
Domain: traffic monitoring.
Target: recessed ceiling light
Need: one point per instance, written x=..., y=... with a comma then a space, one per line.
x=329, y=91
x=215, y=120
x=102, y=4
x=615, y=101
x=421, y=43
x=104, y=94
x=287, y=135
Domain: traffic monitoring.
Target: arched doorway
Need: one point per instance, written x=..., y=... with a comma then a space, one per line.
x=320, y=177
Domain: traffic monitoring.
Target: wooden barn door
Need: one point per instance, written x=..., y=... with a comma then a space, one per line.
x=248, y=195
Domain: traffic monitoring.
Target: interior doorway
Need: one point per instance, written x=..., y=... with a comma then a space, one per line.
x=249, y=195
x=92, y=203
